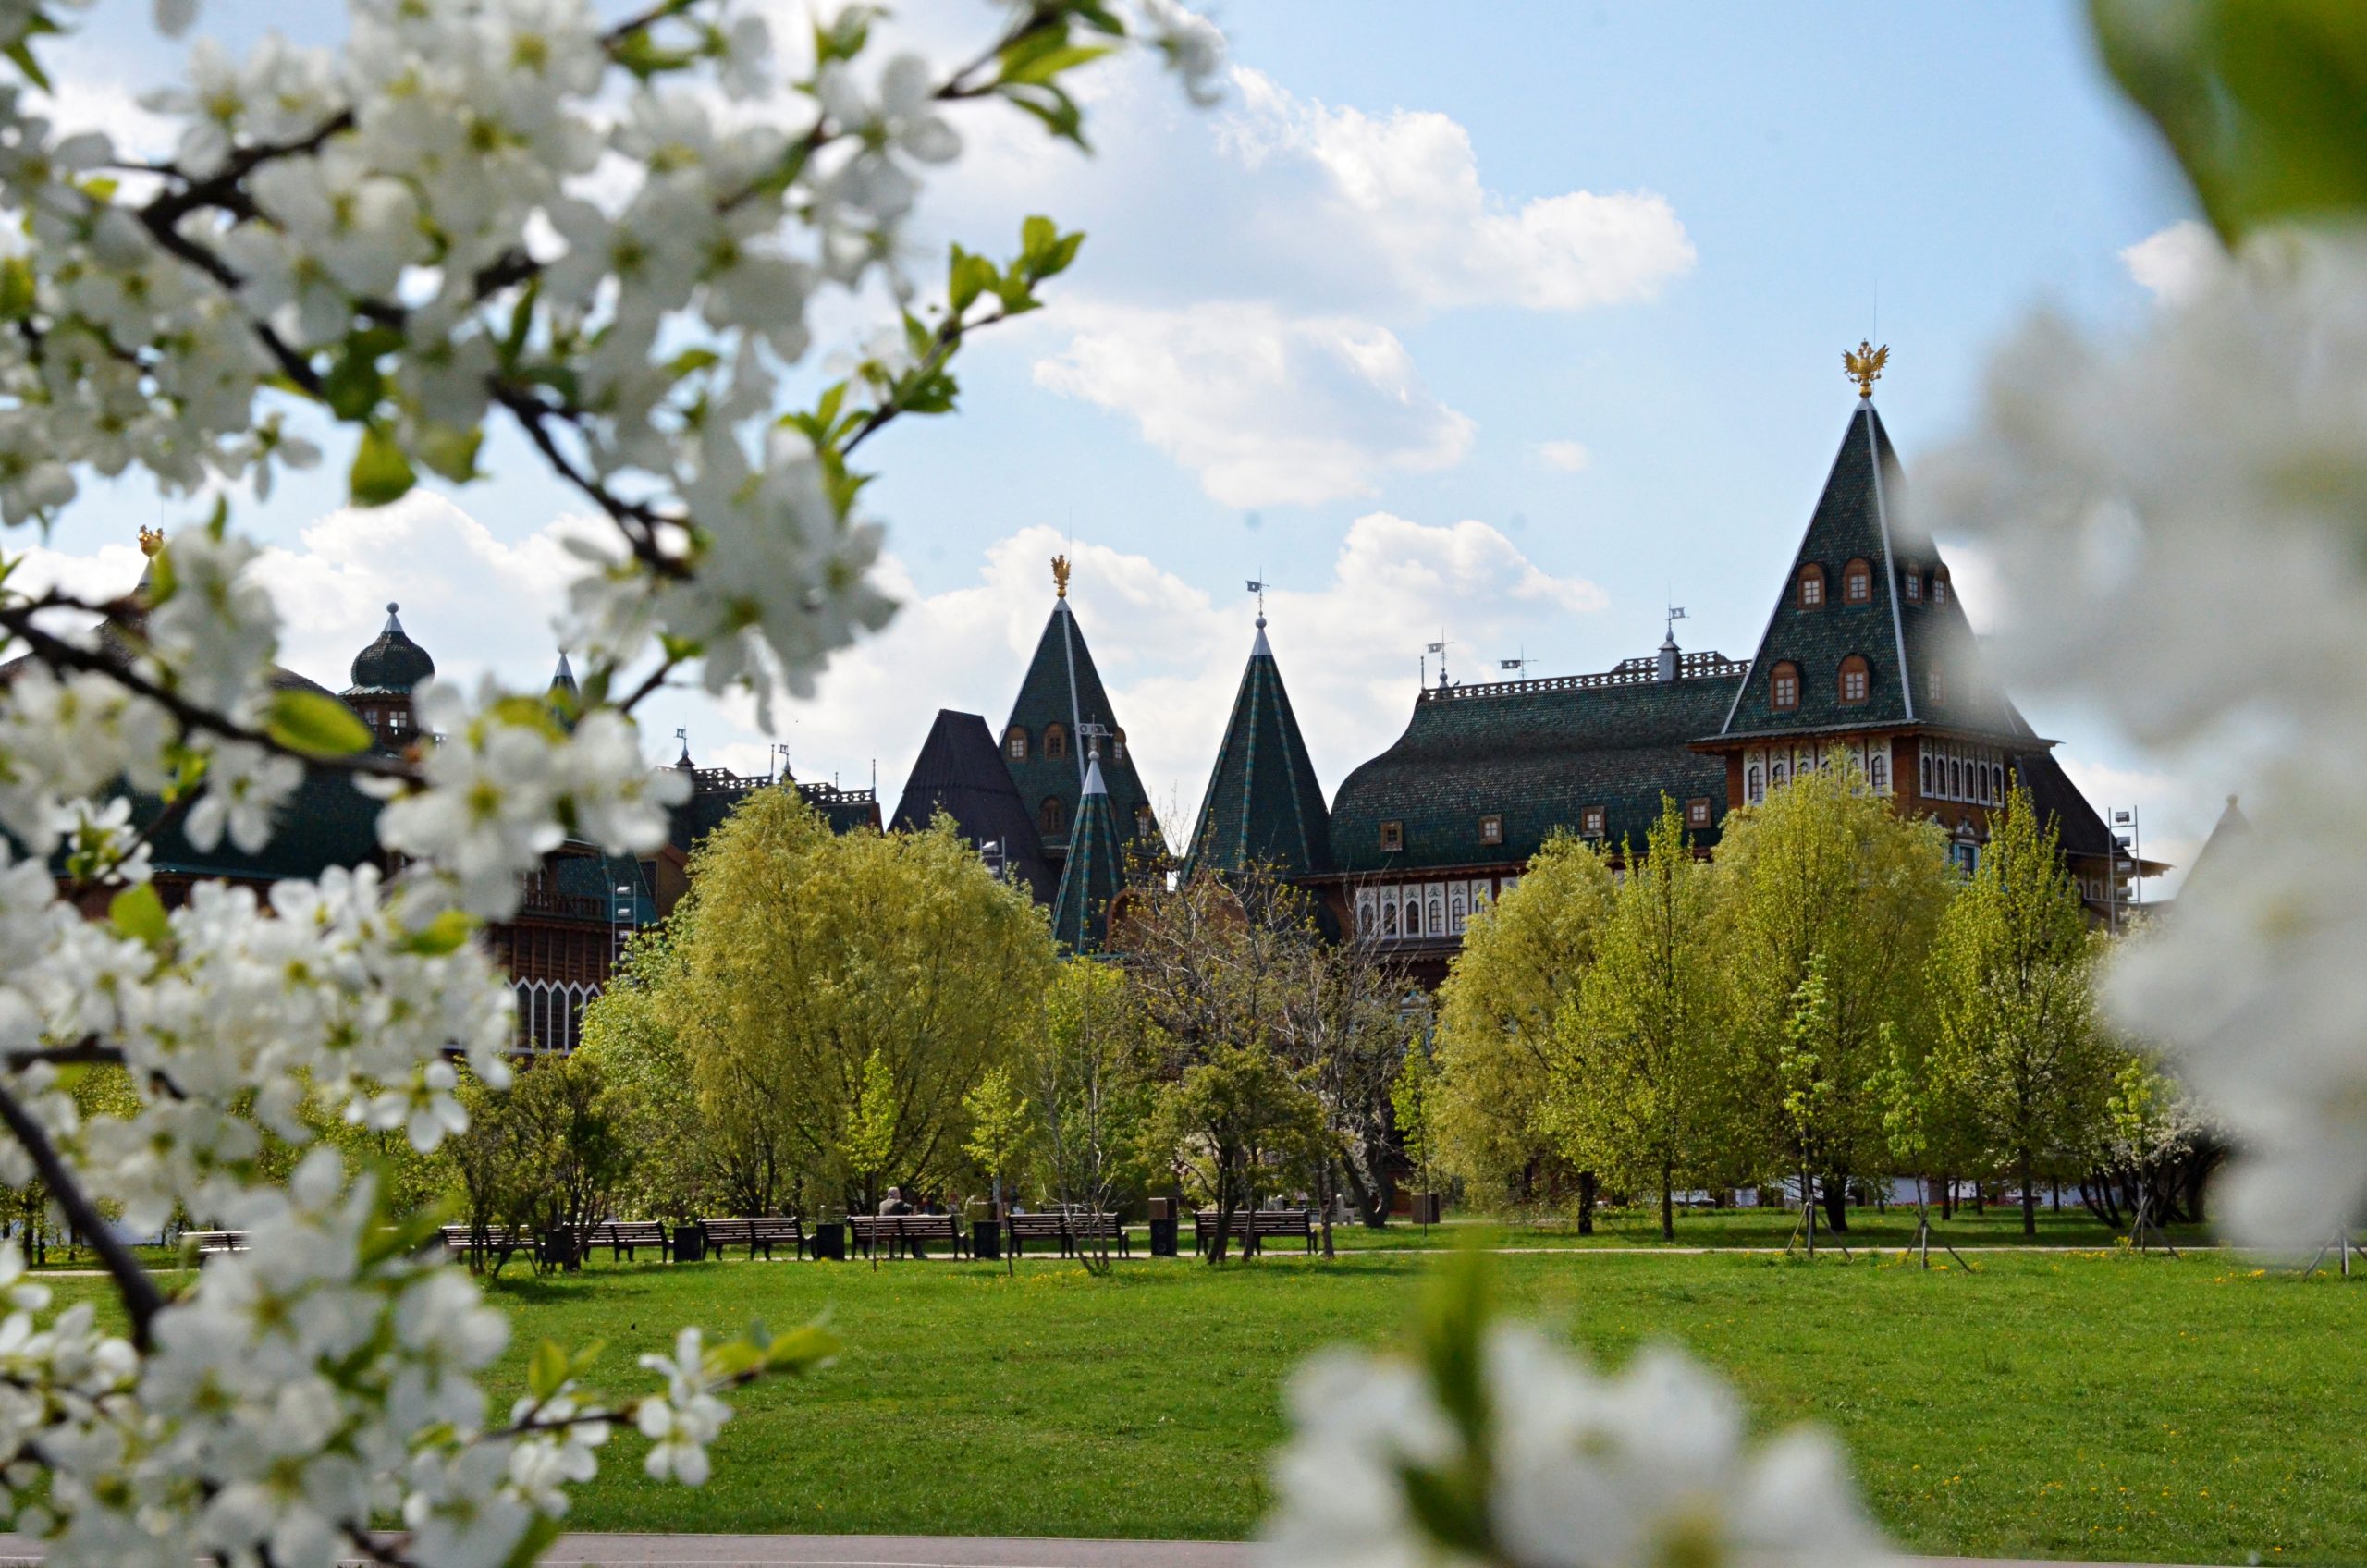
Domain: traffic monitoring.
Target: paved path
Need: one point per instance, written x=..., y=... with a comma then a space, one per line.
x=915, y=1551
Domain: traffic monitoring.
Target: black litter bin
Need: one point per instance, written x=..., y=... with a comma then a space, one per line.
x=690, y=1243
x=831, y=1241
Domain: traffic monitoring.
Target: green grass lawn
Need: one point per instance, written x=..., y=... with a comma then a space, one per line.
x=2086, y=1405
x=1745, y=1228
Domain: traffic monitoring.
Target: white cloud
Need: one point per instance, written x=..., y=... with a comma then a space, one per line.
x=1563, y=457
x=1402, y=191
x=1265, y=407
x=2174, y=264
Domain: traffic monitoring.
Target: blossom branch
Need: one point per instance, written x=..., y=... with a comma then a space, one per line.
x=142, y=1300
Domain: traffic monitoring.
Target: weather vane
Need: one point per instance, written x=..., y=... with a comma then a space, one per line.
x=1676, y=614
x=151, y=540
x=1061, y=576
x=1260, y=589
x=1093, y=731
x=1865, y=365
x=1440, y=648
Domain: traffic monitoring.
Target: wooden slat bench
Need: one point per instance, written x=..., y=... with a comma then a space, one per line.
x=500, y=1240
x=898, y=1231
x=213, y=1244
x=757, y=1233
x=623, y=1237
x=1255, y=1228
x=1068, y=1230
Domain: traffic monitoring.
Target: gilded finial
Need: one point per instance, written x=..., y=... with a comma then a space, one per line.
x=1061, y=576
x=1865, y=365
x=151, y=540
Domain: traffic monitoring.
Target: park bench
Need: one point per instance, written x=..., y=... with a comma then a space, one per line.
x=1068, y=1230
x=898, y=1231
x=1256, y=1227
x=757, y=1233
x=460, y=1241
x=623, y=1237
x=213, y=1244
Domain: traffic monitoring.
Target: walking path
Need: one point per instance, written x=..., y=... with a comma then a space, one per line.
x=915, y=1551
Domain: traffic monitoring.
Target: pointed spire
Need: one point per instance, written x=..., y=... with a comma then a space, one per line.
x=683, y=762
x=1263, y=805
x=1095, y=872
x=563, y=678
x=1060, y=698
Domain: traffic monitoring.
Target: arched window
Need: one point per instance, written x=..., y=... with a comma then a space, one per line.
x=1925, y=774
x=1457, y=911
x=1389, y=918
x=1854, y=678
x=1914, y=585
x=1051, y=816
x=1935, y=685
x=1145, y=824
x=1438, y=916
x=1364, y=917
x=1777, y=775
x=1413, y=916
x=1856, y=583
x=1784, y=686
x=1940, y=586
x=1056, y=742
x=1877, y=771
x=1117, y=746
x=1015, y=743
x=1811, y=587
x=1955, y=777
x=1754, y=784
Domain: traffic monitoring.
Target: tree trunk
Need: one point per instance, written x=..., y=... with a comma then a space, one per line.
x=1225, y=1216
x=1837, y=1204
x=1586, y=1203
x=2029, y=1197
x=1668, y=1205
x=1948, y=1197
x=1327, y=1196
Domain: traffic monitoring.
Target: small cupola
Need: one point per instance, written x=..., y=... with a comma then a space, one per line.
x=394, y=663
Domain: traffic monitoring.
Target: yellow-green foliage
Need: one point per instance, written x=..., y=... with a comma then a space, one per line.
x=800, y=954
x=1521, y=961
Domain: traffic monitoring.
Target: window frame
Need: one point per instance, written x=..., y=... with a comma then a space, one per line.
x=1015, y=743
x=1914, y=584
x=1492, y=828
x=1940, y=586
x=1809, y=589
x=1393, y=836
x=1857, y=582
x=1854, y=666
x=1056, y=743
x=1781, y=680
x=1593, y=822
x=1051, y=816
x=1697, y=812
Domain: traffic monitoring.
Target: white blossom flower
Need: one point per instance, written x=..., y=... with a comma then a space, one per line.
x=685, y=1420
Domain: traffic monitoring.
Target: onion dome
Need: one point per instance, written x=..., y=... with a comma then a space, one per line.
x=392, y=663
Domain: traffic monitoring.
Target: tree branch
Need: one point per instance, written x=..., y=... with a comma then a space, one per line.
x=142, y=1300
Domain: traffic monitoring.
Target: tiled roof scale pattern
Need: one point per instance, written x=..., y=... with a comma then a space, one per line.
x=1263, y=805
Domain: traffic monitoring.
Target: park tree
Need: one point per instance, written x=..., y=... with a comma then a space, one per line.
x=1345, y=1029
x=1522, y=958
x=1234, y=1120
x=1002, y=1130
x=676, y=1173
x=819, y=973
x=1088, y=1089
x=2013, y=999
x=548, y=1155
x=1414, y=1106
x=1642, y=1074
x=1830, y=902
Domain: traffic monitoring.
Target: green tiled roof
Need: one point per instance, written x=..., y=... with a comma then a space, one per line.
x=1903, y=642
x=1063, y=687
x=1094, y=870
x=1263, y=805
x=1538, y=753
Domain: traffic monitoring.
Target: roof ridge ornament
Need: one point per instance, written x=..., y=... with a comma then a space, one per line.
x=1864, y=365
x=152, y=540
x=1059, y=577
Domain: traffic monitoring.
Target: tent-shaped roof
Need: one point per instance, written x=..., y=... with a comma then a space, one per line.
x=2226, y=842
x=1062, y=688
x=960, y=772
x=1095, y=872
x=1263, y=805
x=1906, y=643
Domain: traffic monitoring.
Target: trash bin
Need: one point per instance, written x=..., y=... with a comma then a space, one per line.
x=559, y=1250
x=831, y=1241
x=690, y=1243
x=985, y=1238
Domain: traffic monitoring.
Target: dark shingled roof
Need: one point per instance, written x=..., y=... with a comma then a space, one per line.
x=1063, y=687
x=2052, y=795
x=1095, y=871
x=2227, y=835
x=1538, y=753
x=393, y=664
x=1263, y=805
x=1901, y=640
x=716, y=793
x=960, y=772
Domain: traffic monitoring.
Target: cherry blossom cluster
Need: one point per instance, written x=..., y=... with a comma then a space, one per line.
x=2177, y=521
x=1499, y=1448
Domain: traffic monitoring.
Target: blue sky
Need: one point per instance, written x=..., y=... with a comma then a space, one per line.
x=1510, y=321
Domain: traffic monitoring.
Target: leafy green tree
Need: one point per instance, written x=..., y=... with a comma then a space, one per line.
x=2011, y=980
x=1641, y=1067
x=1412, y=1096
x=675, y=1173
x=1002, y=1125
x=1825, y=882
x=547, y=1154
x=869, y=1141
x=1236, y=1118
x=803, y=956
x=1091, y=1096
x=1522, y=958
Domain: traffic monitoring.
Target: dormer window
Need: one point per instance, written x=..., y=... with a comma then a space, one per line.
x=1940, y=586
x=1811, y=587
x=1935, y=685
x=1015, y=744
x=1856, y=583
x=1145, y=824
x=1855, y=679
x=1393, y=836
x=1784, y=687
x=1591, y=822
x=1697, y=812
x=1056, y=743
x=1492, y=828
x=1914, y=587
x=1051, y=817
x=1117, y=745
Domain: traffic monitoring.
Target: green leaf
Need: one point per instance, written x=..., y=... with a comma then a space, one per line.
x=16, y=294
x=546, y=1374
x=316, y=724
x=353, y=386
x=139, y=913
x=20, y=54
x=444, y=934
x=450, y=451
x=537, y=1541
x=381, y=473
x=802, y=1350
x=967, y=277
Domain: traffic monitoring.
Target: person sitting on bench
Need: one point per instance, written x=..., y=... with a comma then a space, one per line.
x=893, y=1205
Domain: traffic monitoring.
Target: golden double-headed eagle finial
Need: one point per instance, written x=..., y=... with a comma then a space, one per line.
x=1061, y=576
x=1865, y=365
x=151, y=540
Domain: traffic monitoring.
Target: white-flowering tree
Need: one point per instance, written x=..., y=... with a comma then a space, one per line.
x=2178, y=519
x=606, y=233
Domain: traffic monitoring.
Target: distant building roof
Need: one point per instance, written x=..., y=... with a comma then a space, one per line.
x=960, y=771
x=1095, y=872
x=1063, y=687
x=1263, y=805
x=392, y=663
